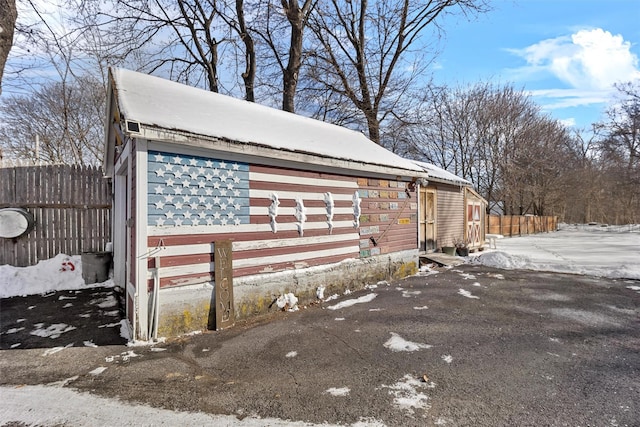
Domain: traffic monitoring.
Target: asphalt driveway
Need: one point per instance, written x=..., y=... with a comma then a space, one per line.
x=469, y=346
x=86, y=317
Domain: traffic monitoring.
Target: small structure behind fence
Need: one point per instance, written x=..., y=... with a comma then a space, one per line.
x=71, y=206
x=518, y=225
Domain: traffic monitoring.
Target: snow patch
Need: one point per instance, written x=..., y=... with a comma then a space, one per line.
x=333, y=391
x=332, y=297
x=54, y=331
x=467, y=294
x=409, y=294
x=447, y=358
x=54, y=350
x=407, y=394
x=397, y=343
x=352, y=302
x=108, y=302
x=98, y=370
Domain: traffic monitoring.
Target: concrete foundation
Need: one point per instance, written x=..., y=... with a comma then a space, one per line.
x=189, y=308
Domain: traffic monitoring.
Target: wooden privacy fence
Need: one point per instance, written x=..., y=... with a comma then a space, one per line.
x=518, y=225
x=71, y=206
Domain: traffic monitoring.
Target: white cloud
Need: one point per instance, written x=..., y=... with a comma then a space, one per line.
x=569, y=122
x=565, y=98
x=587, y=60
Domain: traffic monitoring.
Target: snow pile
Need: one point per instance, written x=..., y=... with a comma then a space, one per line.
x=502, y=260
x=63, y=272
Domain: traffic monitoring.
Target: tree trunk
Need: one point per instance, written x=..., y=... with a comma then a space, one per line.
x=290, y=78
x=297, y=17
x=249, y=75
x=374, y=127
x=8, y=16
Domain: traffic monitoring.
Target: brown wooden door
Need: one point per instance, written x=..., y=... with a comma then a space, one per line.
x=428, y=211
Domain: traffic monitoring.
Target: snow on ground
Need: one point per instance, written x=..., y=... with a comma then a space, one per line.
x=55, y=405
x=63, y=272
x=592, y=250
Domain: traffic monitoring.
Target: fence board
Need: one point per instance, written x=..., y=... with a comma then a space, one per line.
x=516, y=225
x=71, y=207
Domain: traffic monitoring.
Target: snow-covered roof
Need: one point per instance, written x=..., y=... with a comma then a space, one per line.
x=159, y=103
x=436, y=173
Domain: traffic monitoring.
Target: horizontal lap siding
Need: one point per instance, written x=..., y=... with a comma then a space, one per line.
x=185, y=250
x=451, y=211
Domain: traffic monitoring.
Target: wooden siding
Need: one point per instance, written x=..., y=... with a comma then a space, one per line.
x=222, y=200
x=71, y=206
x=451, y=211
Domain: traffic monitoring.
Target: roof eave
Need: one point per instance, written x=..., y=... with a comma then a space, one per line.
x=154, y=133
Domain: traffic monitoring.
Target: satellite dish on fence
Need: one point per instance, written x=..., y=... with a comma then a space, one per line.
x=14, y=222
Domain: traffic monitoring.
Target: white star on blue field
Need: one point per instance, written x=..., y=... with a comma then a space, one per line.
x=185, y=190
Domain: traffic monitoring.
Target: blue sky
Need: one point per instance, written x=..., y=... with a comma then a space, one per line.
x=566, y=53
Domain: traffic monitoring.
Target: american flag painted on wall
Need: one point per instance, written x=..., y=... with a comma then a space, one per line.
x=185, y=190
x=277, y=218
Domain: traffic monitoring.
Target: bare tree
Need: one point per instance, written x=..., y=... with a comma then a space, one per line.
x=64, y=117
x=497, y=138
x=8, y=16
x=363, y=48
x=188, y=40
x=281, y=28
x=619, y=151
